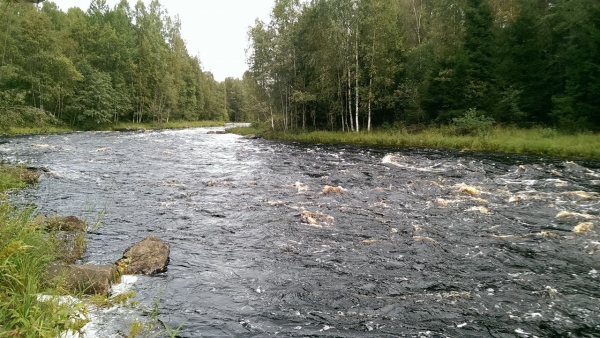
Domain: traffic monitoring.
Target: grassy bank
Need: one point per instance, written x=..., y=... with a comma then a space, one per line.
x=537, y=141
x=244, y=131
x=158, y=126
x=16, y=177
x=25, y=252
x=50, y=129
x=53, y=129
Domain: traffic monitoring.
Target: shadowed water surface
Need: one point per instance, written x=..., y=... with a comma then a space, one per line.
x=423, y=243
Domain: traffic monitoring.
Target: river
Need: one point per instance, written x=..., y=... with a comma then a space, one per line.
x=419, y=243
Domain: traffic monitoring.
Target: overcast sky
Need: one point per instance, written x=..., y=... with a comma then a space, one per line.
x=216, y=30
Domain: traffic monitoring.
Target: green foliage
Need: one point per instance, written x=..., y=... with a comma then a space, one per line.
x=106, y=65
x=472, y=123
x=328, y=64
x=20, y=116
x=93, y=102
x=417, y=62
x=172, y=332
x=102, y=301
x=135, y=329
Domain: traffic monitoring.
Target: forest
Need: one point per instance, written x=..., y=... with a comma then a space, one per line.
x=352, y=65
x=101, y=66
x=340, y=65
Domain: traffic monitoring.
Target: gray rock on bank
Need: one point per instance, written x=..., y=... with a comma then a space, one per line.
x=87, y=279
x=147, y=257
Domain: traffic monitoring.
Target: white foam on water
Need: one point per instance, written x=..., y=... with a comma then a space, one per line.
x=127, y=282
x=398, y=162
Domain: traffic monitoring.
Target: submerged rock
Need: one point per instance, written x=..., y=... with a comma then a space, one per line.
x=88, y=279
x=564, y=214
x=147, y=257
x=473, y=191
x=584, y=227
x=481, y=209
x=316, y=219
x=330, y=189
x=301, y=187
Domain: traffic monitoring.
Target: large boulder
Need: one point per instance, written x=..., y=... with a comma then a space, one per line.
x=87, y=279
x=147, y=257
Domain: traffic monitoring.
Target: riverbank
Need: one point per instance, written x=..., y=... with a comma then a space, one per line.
x=536, y=141
x=36, y=298
x=25, y=252
x=121, y=126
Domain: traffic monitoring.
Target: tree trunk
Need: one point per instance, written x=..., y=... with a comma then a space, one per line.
x=285, y=119
x=5, y=41
x=350, y=100
x=356, y=76
x=271, y=112
x=303, y=116
x=417, y=20
x=341, y=101
x=370, y=93
x=418, y=25
x=371, y=82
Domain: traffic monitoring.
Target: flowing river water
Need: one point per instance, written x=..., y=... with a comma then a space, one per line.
x=420, y=243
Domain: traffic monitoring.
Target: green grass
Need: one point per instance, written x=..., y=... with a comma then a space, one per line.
x=12, y=177
x=536, y=141
x=49, y=129
x=25, y=253
x=244, y=130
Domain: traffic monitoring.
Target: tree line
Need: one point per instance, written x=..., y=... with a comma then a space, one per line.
x=101, y=66
x=354, y=65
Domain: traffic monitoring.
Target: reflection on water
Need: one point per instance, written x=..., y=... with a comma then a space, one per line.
x=415, y=243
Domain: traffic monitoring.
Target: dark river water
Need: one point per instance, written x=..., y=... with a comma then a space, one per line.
x=420, y=243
